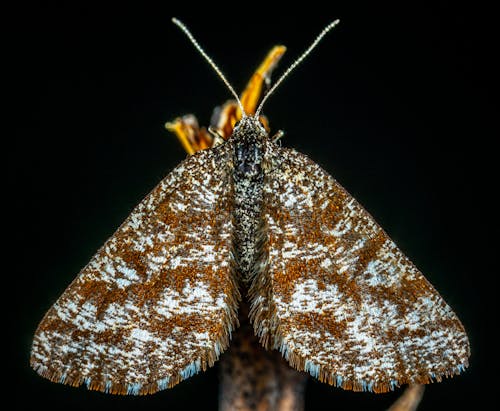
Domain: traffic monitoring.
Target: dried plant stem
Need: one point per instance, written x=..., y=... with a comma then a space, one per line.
x=255, y=379
x=410, y=399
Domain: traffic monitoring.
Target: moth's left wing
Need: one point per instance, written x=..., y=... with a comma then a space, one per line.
x=337, y=297
x=157, y=303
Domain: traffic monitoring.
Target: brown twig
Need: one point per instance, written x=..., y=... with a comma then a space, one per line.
x=410, y=399
x=255, y=379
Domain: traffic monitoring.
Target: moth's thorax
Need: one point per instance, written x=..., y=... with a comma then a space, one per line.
x=249, y=138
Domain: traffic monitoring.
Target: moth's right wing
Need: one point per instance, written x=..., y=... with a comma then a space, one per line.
x=158, y=301
x=337, y=297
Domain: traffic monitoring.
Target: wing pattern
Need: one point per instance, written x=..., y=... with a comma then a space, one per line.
x=337, y=297
x=158, y=301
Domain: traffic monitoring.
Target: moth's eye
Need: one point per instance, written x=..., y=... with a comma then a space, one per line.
x=237, y=124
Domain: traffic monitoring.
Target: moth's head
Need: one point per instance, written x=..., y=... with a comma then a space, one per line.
x=250, y=126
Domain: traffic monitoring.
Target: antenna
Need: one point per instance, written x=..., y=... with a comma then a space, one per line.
x=295, y=64
x=186, y=31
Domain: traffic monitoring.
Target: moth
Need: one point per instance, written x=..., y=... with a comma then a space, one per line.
x=248, y=219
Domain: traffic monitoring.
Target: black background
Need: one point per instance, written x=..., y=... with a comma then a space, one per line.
x=394, y=103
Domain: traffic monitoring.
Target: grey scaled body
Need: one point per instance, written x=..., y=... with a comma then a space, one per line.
x=249, y=139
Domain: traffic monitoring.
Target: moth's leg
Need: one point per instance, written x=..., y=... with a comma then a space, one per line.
x=192, y=137
x=409, y=400
x=218, y=139
x=279, y=134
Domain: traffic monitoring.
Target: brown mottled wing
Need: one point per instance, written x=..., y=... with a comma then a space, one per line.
x=337, y=297
x=157, y=303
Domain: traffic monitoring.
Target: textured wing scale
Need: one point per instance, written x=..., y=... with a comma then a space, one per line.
x=337, y=297
x=157, y=303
